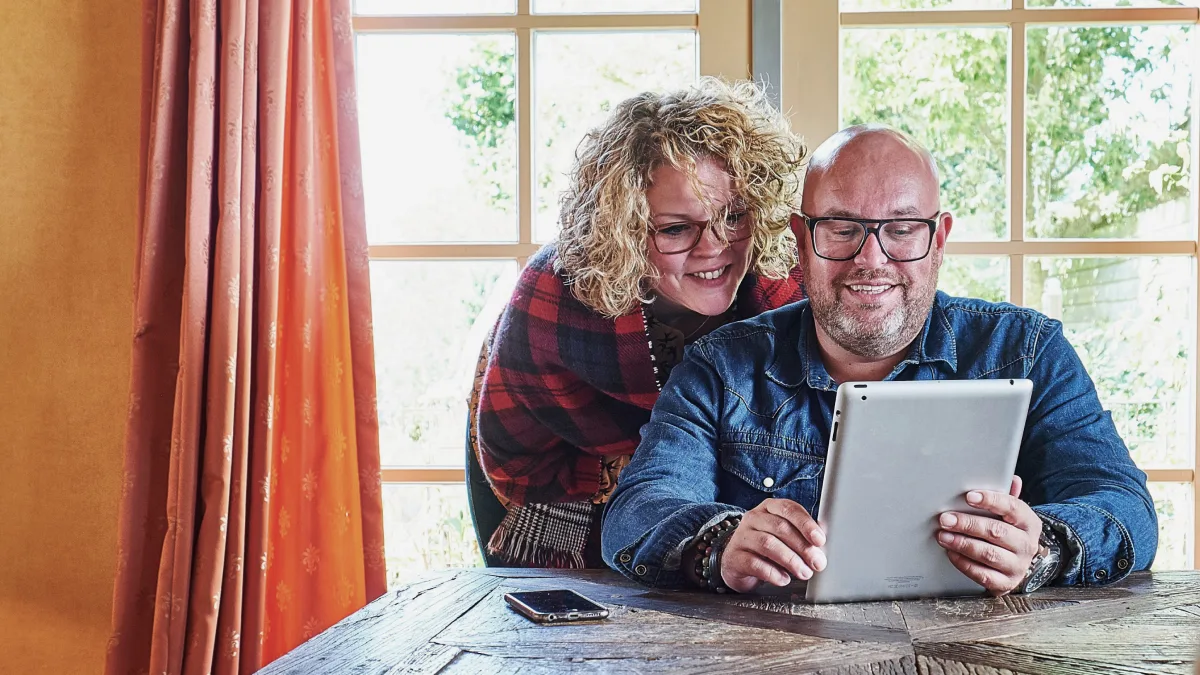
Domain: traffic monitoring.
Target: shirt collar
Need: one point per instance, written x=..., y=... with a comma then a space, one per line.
x=935, y=343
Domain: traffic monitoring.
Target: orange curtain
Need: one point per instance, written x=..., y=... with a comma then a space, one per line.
x=251, y=513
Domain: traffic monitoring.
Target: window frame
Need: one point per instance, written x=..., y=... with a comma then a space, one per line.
x=723, y=37
x=810, y=91
x=808, y=86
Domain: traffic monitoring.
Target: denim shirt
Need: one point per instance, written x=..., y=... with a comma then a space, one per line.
x=753, y=400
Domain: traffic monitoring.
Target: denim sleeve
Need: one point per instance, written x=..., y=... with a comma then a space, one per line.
x=668, y=492
x=1078, y=473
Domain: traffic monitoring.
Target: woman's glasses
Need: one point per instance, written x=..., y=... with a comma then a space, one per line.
x=684, y=236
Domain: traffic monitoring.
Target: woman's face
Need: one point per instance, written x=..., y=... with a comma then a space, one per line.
x=706, y=278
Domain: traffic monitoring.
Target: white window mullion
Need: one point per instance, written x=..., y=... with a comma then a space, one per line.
x=810, y=64
x=724, y=35
x=969, y=18
x=1016, y=155
x=525, y=113
x=1195, y=383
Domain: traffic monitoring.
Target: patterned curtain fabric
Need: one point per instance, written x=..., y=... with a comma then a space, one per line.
x=251, y=513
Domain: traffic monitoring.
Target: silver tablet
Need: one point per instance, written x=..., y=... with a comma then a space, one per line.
x=900, y=454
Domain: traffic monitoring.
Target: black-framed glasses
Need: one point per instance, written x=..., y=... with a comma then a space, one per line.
x=901, y=239
x=683, y=236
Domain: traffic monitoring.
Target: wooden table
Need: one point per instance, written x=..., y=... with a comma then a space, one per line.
x=456, y=621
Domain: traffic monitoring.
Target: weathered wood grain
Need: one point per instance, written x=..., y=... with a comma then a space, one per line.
x=458, y=622
x=493, y=629
x=469, y=662
x=878, y=614
x=390, y=632
x=1140, y=647
x=1001, y=658
x=727, y=609
x=431, y=658
x=1166, y=596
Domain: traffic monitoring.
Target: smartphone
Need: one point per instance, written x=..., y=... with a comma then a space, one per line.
x=556, y=605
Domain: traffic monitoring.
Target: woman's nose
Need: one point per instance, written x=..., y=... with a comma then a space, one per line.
x=710, y=244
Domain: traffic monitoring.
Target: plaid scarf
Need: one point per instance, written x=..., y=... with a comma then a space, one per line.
x=560, y=406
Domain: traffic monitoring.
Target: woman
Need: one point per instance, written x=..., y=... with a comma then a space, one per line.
x=676, y=222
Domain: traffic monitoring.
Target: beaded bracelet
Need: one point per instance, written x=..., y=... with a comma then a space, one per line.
x=710, y=544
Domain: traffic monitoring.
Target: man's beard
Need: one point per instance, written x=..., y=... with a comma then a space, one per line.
x=875, y=338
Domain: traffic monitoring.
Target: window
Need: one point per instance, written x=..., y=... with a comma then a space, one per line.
x=1064, y=131
x=470, y=112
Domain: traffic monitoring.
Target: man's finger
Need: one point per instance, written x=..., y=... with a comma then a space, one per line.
x=1015, y=488
x=744, y=563
x=790, y=535
x=799, y=517
x=992, y=530
x=770, y=547
x=989, y=555
x=993, y=581
x=1009, y=508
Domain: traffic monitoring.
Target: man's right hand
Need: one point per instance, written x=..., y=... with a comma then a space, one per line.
x=775, y=542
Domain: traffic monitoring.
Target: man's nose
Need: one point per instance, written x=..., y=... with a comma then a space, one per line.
x=871, y=255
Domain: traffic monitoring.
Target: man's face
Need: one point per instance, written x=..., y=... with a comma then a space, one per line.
x=871, y=306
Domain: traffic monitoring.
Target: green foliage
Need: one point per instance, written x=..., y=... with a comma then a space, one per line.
x=1074, y=153
x=482, y=282
x=1106, y=144
x=579, y=78
x=486, y=105
x=1088, y=174
x=484, y=110
x=1107, y=122
x=434, y=528
x=974, y=277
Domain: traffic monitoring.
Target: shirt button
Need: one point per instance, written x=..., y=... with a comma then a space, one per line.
x=768, y=481
x=640, y=570
x=1122, y=564
x=625, y=557
x=1101, y=574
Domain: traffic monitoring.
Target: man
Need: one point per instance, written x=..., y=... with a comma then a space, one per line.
x=723, y=488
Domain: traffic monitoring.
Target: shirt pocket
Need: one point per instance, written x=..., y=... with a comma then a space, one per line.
x=752, y=472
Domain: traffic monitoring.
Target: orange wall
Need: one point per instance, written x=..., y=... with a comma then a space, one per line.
x=69, y=102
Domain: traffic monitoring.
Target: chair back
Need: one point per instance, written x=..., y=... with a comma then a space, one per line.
x=486, y=509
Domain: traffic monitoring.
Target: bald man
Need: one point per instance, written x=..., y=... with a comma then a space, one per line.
x=755, y=399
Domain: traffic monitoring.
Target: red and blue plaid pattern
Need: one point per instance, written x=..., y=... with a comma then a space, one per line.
x=565, y=386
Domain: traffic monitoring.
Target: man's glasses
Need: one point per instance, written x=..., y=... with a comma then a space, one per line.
x=684, y=236
x=902, y=239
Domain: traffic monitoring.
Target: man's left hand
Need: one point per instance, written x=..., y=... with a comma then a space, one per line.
x=995, y=552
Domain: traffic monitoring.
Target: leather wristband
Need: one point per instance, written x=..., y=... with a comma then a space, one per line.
x=710, y=545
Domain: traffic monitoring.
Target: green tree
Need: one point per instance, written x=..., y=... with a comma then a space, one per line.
x=1092, y=170
x=578, y=81
x=484, y=110
x=1107, y=127
x=1107, y=131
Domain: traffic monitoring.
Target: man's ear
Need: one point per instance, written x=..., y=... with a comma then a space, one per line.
x=799, y=229
x=945, y=224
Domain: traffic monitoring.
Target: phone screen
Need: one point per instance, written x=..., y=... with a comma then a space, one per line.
x=558, y=602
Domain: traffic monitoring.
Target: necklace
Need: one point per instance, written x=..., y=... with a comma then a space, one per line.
x=697, y=328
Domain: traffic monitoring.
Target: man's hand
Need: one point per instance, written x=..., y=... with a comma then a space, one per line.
x=995, y=553
x=776, y=541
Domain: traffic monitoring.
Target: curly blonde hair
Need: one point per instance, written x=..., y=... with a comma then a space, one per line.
x=604, y=213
